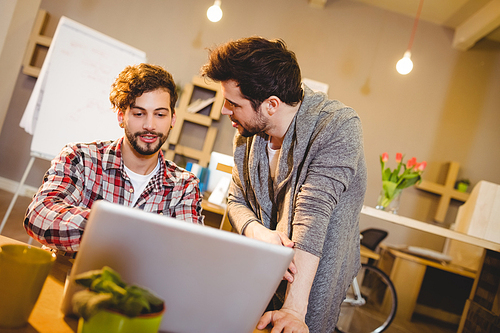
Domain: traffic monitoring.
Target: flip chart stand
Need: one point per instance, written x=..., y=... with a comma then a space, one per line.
x=19, y=188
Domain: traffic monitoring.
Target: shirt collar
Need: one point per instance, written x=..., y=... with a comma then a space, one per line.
x=112, y=156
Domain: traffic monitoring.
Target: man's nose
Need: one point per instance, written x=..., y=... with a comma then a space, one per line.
x=149, y=124
x=225, y=111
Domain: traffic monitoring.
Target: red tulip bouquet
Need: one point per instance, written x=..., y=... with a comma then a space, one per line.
x=394, y=181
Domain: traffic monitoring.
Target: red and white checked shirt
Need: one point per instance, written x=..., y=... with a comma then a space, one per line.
x=83, y=173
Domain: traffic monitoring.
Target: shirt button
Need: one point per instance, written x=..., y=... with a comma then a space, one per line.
x=131, y=190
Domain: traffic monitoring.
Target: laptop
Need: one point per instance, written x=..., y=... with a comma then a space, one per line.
x=211, y=280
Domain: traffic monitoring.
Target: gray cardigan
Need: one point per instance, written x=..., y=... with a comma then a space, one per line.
x=319, y=192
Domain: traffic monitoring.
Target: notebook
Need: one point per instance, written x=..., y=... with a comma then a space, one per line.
x=211, y=280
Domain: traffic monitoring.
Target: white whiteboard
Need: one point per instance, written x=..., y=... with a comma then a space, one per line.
x=70, y=101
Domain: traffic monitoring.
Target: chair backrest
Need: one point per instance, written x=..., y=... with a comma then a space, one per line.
x=372, y=237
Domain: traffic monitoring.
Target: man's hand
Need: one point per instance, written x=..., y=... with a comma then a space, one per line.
x=291, y=317
x=258, y=231
x=283, y=320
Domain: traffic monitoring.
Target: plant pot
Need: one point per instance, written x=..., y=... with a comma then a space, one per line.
x=113, y=322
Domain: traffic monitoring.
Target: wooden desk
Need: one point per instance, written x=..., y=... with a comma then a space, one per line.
x=210, y=207
x=47, y=316
x=491, y=249
x=430, y=228
x=367, y=253
x=407, y=272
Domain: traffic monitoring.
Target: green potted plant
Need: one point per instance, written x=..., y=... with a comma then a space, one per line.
x=110, y=305
x=462, y=185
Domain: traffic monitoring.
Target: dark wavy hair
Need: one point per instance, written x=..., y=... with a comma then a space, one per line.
x=136, y=80
x=260, y=67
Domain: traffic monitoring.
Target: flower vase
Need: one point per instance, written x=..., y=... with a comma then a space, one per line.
x=388, y=204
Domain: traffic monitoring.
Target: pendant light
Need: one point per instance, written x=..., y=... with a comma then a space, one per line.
x=214, y=13
x=405, y=65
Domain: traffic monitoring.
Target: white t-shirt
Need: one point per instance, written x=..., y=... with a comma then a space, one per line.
x=273, y=155
x=139, y=182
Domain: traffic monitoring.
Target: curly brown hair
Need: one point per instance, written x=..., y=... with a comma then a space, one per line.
x=136, y=80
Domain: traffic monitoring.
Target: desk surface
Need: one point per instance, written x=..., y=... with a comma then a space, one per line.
x=431, y=263
x=208, y=206
x=47, y=316
x=430, y=228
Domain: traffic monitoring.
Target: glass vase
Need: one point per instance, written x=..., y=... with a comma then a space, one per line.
x=390, y=205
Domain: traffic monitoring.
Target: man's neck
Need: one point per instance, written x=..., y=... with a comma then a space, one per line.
x=281, y=122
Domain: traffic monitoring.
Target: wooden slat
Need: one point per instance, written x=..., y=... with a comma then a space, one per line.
x=36, y=39
x=224, y=168
x=446, y=191
x=477, y=26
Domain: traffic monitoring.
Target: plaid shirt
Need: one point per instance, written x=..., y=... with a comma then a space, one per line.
x=84, y=173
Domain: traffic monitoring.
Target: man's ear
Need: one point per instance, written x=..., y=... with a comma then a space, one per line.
x=174, y=118
x=120, y=116
x=272, y=104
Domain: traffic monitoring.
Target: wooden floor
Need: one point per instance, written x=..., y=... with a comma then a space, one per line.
x=14, y=229
x=421, y=325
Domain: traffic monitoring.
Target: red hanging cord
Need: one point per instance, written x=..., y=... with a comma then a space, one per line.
x=415, y=24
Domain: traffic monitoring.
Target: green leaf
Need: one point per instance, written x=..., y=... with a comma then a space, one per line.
x=87, y=303
x=389, y=188
x=386, y=174
x=394, y=176
x=152, y=298
x=134, y=305
x=409, y=182
x=106, y=290
x=86, y=279
x=110, y=275
x=411, y=175
x=106, y=286
x=382, y=163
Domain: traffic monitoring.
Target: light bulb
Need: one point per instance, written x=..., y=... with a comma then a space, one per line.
x=214, y=13
x=405, y=65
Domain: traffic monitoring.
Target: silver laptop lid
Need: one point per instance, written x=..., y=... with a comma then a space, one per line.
x=211, y=280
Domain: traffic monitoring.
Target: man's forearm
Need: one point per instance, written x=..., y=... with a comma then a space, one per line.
x=240, y=214
x=297, y=294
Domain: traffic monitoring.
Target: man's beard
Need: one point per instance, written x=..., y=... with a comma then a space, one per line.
x=150, y=148
x=247, y=133
x=258, y=127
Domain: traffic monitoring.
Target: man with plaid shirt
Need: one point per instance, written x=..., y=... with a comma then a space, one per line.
x=130, y=171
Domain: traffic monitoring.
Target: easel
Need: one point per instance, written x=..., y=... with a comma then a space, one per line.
x=14, y=199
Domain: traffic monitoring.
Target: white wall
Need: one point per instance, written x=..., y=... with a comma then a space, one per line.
x=16, y=21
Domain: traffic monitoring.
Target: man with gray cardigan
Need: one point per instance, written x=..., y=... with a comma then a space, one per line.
x=299, y=178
